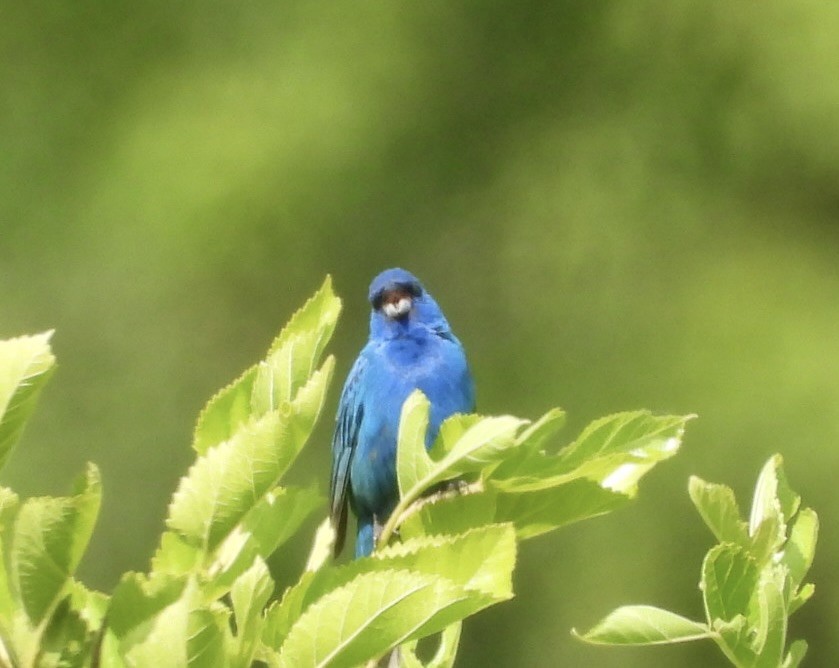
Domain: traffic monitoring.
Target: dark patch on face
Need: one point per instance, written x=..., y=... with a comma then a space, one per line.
x=393, y=295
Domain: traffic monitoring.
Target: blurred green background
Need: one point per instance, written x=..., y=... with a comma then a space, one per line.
x=618, y=205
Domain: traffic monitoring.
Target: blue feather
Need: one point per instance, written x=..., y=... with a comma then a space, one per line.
x=411, y=346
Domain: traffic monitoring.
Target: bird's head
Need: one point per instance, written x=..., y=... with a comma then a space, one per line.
x=393, y=292
x=398, y=297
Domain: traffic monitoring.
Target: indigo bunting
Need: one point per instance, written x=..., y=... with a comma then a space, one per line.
x=411, y=346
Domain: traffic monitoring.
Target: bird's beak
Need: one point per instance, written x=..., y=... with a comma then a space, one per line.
x=396, y=303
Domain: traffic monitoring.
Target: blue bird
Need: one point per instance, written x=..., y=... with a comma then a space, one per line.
x=411, y=346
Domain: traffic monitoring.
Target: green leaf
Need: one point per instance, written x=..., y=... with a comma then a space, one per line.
x=644, y=625
x=9, y=601
x=484, y=441
x=773, y=497
x=138, y=599
x=444, y=656
x=264, y=387
x=772, y=618
x=322, y=546
x=797, y=651
x=175, y=555
x=148, y=623
x=320, y=313
x=623, y=433
x=50, y=537
x=271, y=522
x=803, y=595
x=535, y=513
x=228, y=481
x=767, y=539
x=224, y=413
x=718, y=508
x=729, y=578
x=412, y=461
x=295, y=353
x=451, y=514
x=614, y=452
x=71, y=631
x=210, y=639
x=164, y=642
x=371, y=614
x=528, y=446
x=248, y=596
x=480, y=560
x=735, y=639
x=800, y=548
x=91, y=606
x=25, y=365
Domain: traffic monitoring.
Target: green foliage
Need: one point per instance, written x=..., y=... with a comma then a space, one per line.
x=448, y=551
x=25, y=365
x=752, y=581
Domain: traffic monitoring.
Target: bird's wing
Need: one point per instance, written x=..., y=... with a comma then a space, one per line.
x=344, y=441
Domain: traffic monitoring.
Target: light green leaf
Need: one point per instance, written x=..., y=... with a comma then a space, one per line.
x=535, y=513
x=371, y=614
x=72, y=629
x=281, y=615
x=224, y=413
x=803, y=595
x=412, y=461
x=296, y=351
x=535, y=435
x=50, y=537
x=164, y=643
x=444, y=656
x=450, y=514
x=797, y=651
x=291, y=359
x=772, y=618
x=767, y=539
x=644, y=625
x=175, y=555
x=800, y=548
x=718, y=508
x=228, y=481
x=319, y=313
x=773, y=497
x=321, y=546
x=614, y=452
x=271, y=522
x=138, y=599
x=249, y=595
x=210, y=639
x=529, y=447
x=90, y=605
x=484, y=441
x=25, y=365
x=729, y=578
x=9, y=601
x=148, y=622
x=735, y=638
x=624, y=433
x=480, y=560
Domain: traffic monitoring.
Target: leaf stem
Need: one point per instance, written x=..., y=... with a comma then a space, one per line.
x=415, y=502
